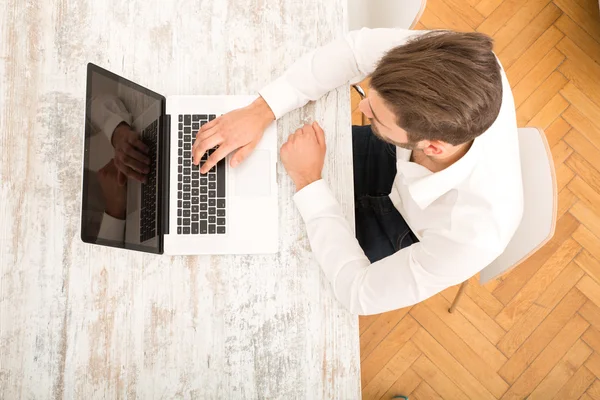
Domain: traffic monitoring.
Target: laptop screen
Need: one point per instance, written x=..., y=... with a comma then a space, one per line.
x=120, y=201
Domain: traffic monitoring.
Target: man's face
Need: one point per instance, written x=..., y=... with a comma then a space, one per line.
x=383, y=121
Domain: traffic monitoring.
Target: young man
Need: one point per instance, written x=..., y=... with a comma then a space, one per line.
x=437, y=179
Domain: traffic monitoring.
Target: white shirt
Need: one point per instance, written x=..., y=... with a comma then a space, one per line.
x=463, y=216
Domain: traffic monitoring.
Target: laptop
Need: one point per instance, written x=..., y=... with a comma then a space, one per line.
x=178, y=210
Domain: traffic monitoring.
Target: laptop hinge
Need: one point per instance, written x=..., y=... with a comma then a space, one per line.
x=164, y=191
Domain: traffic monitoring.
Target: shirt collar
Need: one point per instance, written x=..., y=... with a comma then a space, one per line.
x=425, y=186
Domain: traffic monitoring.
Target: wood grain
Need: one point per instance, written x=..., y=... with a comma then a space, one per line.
x=79, y=321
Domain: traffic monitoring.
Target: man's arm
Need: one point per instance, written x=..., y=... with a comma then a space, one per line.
x=405, y=278
x=108, y=112
x=348, y=59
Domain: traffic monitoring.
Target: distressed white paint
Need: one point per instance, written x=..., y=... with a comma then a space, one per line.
x=82, y=322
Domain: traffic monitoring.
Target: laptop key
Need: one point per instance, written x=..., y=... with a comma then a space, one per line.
x=195, y=218
x=212, y=211
x=195, y=228
x=220, y=230
x=220, y=221
x=187, y=130
x=195, y=209
x=195, y=192
x=187, y=153
x=212, y=202
x=203, y=189
x=186, y=213
x=186, y=187
x=203, y=198
x=212, y=219
x=203, y=215
x=195, y=117
x=194, y=200
x=186, y=230
x=196, y=175
x=203, y=181
x=196, y=126
x=186, y=221
x=212, y=229
x=211, y=117
x=179, y=230
x=221, y=203
x=203, y=207
x=220, y=213
x=181, y=118
x=186, y=196
x=212, y=194
x=187, y=119
x=186, y=204
x=203, y=227
x=212, y=185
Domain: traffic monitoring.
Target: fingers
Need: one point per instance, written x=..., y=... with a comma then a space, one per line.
x=242, y=153
x=217, y=156
x=133, y=152
x=204, y=146
x=121, y=178
x=319, y=133
x=129, y=172
x=131, y=162
x=136, y=142
x=201, y=136
x=208, y=126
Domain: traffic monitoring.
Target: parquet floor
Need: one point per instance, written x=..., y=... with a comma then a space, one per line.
x=534, y=333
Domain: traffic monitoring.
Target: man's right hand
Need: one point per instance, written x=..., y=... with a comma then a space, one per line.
x=238, y=129
x=131, y=157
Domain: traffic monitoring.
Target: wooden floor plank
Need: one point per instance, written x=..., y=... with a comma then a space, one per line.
x=577, y=385
x=589, y=264
x=540, y=98
x=584, y=104
x=594, y=390
x=517, y=67
x=566, y=199
x=425, y=392
x=465, y=10
x=464, y=329
x=449, y=366
x=544, y=363
x=486, y=7
x=386, y=377
x=582, y=71
x=432, y=21
x=580, y=16
x=590, y=288
x=437, y=379
x=593, y=364
x=378, y=330
x=563, y=371
x=591, y=313
x=586, y=216
x=527, y=25
x=404, y=385
x=552, y=268
x=564, y=175
x=588, y=241
x=387, y=348
x=556, y=131
x=549, y=112
x=590, y=6
x=500, y=16
x=584, y=147
x=447, y=15
x=476, y=316
x=483, y=298
x=592, y=338
x=561, y=152
x=585, y=193
x=580, y=37
x=537, y=75
x=583, y=125
x=584, y=170
x=518, y=277
x=544, y=331
x=468, y=358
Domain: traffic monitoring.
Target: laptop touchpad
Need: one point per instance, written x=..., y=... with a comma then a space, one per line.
x=253, y=176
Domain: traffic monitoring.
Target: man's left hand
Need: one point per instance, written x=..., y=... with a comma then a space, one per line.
x=303, y=155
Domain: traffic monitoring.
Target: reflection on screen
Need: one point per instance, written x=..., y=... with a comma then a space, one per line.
x=120, y=185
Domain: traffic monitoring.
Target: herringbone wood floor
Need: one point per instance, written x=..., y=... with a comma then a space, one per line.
x=535, y=332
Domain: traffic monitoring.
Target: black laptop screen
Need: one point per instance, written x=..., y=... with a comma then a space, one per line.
x=120, y=175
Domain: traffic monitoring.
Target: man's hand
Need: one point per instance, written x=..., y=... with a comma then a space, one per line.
x=131, y=157
x=303, y=155
x=115, y=194
x=239, y=129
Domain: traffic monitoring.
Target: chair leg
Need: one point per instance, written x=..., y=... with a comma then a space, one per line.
x=457, y=297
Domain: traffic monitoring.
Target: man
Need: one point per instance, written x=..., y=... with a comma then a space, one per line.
x=437, y=180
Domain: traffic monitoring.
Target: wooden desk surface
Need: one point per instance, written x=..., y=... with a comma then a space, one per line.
x=83, y=322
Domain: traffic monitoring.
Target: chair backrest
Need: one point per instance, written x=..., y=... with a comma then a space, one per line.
x=540, y=196
x=384, y=13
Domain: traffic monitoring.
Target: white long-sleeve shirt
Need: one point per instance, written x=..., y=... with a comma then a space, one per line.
x=464, y=216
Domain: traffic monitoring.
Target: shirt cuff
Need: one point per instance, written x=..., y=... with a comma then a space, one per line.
x=111, y=124
x=281, y=97
x=112, y=228
x=313, y=199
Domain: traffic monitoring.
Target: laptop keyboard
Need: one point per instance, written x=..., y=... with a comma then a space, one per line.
x=148, y=203
x=201, y=198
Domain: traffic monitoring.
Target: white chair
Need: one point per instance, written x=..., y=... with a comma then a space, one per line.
x=540, y=195
x=384, y=13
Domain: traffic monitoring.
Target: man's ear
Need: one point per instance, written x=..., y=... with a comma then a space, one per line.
x=432, y=147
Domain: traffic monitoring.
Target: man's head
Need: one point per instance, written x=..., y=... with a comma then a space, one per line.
x=440, y=90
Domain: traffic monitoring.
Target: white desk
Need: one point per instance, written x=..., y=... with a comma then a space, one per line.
x=83, y=322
